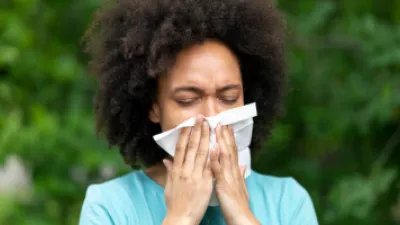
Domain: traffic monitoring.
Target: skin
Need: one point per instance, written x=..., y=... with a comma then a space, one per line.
x=204, y=81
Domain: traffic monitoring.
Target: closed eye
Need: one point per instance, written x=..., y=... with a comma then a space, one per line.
x=187, y=102
x=229, y=101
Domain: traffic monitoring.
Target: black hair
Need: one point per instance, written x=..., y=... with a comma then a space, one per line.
x=133, y=42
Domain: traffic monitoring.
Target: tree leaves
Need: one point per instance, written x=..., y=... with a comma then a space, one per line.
x=336, y=138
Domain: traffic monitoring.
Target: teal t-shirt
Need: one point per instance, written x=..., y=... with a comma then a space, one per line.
x=135, y=199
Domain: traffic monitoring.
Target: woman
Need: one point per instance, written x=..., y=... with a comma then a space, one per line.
x=160, y=62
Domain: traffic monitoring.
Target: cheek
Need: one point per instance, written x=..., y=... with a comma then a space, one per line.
x=172, y=116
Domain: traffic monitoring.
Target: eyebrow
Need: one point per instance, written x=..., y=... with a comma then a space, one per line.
x=201, y=91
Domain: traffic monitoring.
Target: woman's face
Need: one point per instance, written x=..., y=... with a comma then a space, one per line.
x=205, y=79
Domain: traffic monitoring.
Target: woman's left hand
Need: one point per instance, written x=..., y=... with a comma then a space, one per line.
x=230, y=183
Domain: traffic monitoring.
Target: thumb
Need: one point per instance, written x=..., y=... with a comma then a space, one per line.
x=168, y=164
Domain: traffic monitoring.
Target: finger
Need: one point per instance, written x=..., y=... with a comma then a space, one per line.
x=168, y=164
x=214, y=162
x=224, y=154
x=229, y=138
x=207, y=169
x=192, y=146
x=246, y=191
x=181, y=145
x=243, y=171
x=202, y=151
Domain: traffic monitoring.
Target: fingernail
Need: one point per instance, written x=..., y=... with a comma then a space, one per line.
x=205, y=124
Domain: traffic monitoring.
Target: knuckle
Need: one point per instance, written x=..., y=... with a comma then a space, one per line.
x=180, y=147
x=205, y=138
x=201, y=152
x=232, y=146
x=223, y=153
x=184, y=177
x=184, y=138
x=175, y=172
x=226, y=154
x=191, y=145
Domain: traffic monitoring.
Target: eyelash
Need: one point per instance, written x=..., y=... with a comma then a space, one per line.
x=189, y=102
x=186, y=103
x=230, y=101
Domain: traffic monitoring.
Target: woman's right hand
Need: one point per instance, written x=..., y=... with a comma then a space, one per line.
x=189, y=180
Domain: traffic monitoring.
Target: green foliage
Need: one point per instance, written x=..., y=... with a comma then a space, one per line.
x=341, y=129
x=46, y=108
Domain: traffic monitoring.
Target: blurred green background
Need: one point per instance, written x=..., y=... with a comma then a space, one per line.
x=340, y=136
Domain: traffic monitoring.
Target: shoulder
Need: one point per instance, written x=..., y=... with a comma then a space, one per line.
x=115, y=190
x=292, y=201
x=105, y=202
x=121, y=183
x=288, y=187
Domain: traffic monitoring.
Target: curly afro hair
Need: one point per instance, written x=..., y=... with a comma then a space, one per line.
x=133, y=42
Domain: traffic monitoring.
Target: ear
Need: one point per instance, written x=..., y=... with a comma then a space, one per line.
x=154, y=114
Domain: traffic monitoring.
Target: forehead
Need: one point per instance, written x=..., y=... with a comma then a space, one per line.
x=208, y=65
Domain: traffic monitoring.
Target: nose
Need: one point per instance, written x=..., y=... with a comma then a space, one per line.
x=210, y=108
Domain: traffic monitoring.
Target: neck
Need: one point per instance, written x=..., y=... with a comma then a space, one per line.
x=158, y=173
